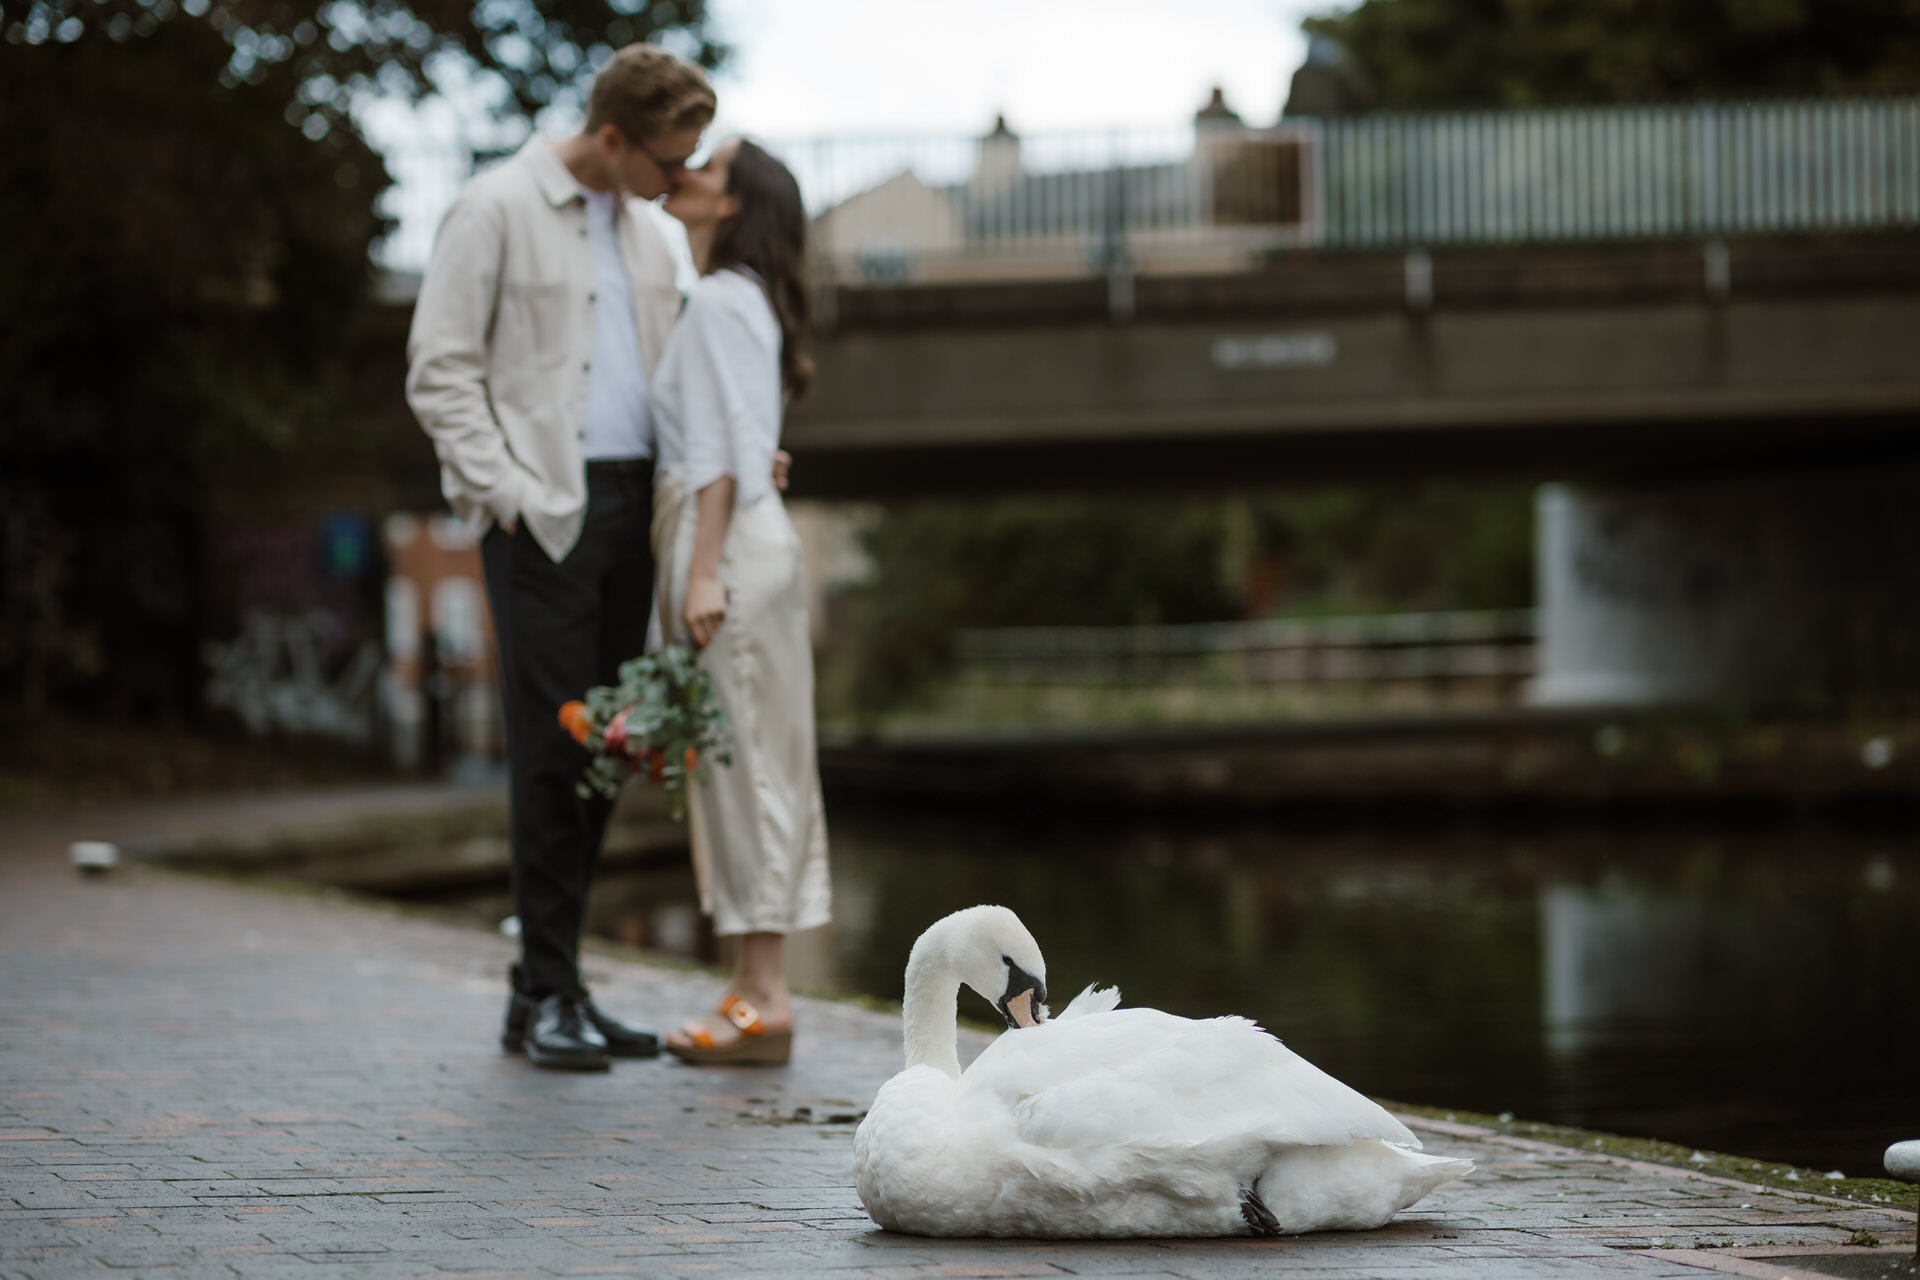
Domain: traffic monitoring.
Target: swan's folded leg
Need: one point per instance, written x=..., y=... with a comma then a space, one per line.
x=1351, y=1188
x=1260, y=1219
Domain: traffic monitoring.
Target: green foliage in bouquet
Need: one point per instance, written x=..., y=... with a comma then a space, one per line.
x=662, y=719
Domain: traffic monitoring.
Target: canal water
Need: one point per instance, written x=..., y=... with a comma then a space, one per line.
x=1751, y=992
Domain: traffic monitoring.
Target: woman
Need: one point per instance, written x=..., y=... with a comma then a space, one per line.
x=730, y=582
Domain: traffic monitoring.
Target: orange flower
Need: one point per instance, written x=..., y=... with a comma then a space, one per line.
x=573, y=718
x=657, y=767
x=692, y=759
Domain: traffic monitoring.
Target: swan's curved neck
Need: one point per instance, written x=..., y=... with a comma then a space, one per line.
x=931, y=1012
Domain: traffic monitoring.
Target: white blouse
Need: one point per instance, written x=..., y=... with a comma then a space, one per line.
x=717, y=397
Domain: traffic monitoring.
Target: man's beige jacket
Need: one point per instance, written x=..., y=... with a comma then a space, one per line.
x=502, y=343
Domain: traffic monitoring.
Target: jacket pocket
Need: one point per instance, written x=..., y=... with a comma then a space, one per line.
x=534, y=326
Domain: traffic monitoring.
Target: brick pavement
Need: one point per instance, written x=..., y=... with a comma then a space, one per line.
x=200, y=1078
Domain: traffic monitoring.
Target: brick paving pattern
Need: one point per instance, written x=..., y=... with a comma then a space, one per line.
x=200, y=1078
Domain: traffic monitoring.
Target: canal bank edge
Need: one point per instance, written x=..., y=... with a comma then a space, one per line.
x=419, y=839
x=1577, y=761
x=1812, y=1184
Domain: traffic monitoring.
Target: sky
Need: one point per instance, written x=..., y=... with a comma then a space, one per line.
x=809, y=67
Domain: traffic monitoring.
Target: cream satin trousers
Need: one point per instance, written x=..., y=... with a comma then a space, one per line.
x=758, y=827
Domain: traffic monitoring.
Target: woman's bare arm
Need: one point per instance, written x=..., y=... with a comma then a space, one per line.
x=706, y=604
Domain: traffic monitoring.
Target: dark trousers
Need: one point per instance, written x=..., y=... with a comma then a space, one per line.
x=561, y=628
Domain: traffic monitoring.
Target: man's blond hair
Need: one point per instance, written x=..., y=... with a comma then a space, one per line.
x=644, y=91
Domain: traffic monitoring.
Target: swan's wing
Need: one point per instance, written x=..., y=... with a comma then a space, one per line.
x=1094, y=999
x=1149, y=1080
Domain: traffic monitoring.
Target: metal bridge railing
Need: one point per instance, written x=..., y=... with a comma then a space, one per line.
x=1496, y=645
x=1218, y=197
x=1621, y=173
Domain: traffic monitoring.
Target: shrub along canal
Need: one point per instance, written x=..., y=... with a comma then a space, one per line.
x=1747, y=991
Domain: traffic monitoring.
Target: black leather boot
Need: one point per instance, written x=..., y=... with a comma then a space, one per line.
x=560, y=1036
x=520, y=1008
x=623, y=1041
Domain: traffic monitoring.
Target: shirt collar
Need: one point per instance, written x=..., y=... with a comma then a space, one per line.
x=555, y=180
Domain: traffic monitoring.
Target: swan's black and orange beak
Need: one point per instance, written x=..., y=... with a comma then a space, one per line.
x=1025, y=1003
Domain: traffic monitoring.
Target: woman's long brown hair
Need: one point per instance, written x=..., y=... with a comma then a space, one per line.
x=769, y=235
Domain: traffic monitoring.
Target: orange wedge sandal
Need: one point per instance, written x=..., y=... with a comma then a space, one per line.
x=758, y=1045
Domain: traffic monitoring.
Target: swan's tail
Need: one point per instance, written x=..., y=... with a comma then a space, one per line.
x=1351, y=1188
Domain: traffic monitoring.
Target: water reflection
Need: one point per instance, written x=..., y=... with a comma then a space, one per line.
x=1746, y=993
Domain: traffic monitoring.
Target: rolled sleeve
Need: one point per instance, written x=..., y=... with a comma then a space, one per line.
x=724, y=437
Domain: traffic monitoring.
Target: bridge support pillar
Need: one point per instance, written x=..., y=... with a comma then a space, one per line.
x=1775, y=592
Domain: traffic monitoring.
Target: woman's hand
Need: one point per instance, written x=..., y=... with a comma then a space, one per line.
x=782, y=463
x=706, y=605
x=705, y=610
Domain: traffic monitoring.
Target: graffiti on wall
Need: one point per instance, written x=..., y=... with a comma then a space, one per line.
x=273, y=676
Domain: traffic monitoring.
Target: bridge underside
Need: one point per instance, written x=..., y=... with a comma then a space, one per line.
x=1597, y=364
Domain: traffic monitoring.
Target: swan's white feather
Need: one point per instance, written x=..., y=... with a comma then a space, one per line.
x=1168, y=1082
x=1133, y=1122
x=1094, y=999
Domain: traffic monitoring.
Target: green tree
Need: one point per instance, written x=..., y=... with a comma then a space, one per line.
x=1389, y=548
x=541, y=52
x=182, y=262
x=185, y=270
x=1128, y=560
x=939, y=566
x=1474, y=53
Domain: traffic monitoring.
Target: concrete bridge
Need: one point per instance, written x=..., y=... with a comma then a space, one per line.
x=1550, y=363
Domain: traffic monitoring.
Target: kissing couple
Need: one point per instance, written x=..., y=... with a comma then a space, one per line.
x=614, y=444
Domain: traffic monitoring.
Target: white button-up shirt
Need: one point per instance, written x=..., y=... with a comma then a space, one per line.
x=618, y=424
x=717, y=395
x=501, y=350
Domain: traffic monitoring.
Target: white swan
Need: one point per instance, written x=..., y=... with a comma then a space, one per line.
x=1114, y=1122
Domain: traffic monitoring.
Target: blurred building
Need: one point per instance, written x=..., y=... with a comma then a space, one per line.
x=881, y=230
x=1221, y=195
x=441, y=686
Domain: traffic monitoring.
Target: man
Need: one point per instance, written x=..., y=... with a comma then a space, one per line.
x=540, y=319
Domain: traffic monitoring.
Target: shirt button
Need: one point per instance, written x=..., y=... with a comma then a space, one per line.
x=592, y=296
x=586, y=366
x=583, y=233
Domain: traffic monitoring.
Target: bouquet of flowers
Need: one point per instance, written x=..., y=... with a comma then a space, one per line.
x=661, y=717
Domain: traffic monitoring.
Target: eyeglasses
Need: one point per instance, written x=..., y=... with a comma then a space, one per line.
x=667, y=167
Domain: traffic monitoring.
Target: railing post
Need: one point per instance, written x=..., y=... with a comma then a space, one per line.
x=1314, y=174
x=1419, y=281
x=1719, y=270
x=1114, y=248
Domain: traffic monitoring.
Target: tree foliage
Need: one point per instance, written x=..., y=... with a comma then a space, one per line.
x=1474, y=53
x=938, y=566
x=541, y=51
x=1128, y=560
x=1398, y=547
x=183, y=263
